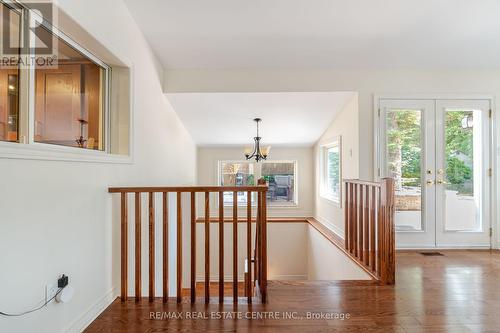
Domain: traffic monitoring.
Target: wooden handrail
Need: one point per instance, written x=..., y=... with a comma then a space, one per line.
x=259, y=188
x=369, y=226
x=259, y=247
x=362, y=182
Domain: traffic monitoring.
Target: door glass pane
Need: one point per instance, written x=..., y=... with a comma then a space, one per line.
x=404, y=161
x=462, y=187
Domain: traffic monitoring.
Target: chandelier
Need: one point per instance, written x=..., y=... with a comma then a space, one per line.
x=257, y=152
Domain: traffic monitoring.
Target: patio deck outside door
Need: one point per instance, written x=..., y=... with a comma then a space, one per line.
x=439, y=153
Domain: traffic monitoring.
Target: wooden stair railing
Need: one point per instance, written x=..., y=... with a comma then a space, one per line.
x=369, y=226
x=257, y=254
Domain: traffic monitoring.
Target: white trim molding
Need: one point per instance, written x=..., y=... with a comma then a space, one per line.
x=83, y=321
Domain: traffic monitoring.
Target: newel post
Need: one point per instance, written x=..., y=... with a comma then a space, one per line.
x=386, y=224
x=264, y=247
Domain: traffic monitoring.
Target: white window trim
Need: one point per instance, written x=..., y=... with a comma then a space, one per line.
x=257, y=174
x=28, y=148
x=324, y=192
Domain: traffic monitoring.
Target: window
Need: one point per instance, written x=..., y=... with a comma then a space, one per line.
x=331, y=173
x=9, y=78
x=70, y=100
x=280, y=175
x=52, y=90
x=236, y=174
x=281, y=179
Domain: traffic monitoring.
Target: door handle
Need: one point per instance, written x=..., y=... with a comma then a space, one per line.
x=429, y=182
x=441, y=182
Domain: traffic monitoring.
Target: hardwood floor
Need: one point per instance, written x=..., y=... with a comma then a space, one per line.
x=457, y=292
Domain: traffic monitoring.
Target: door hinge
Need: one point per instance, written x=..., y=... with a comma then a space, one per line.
x=490, y=113
x=491, y=232
x=379, y=112
x=378, y=172
x=490, y=172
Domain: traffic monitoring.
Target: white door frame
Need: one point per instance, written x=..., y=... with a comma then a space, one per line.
x=493, y=158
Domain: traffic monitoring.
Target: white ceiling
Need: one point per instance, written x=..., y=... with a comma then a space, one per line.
x=305, y=34
x=290, y=119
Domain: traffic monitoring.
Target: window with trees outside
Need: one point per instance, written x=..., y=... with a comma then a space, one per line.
x=331, y=171
x=279, y=175
x=405, y=159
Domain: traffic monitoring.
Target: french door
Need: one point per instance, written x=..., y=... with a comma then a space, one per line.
x=438, y=152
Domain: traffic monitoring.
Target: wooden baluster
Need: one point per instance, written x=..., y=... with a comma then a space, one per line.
x=124, y=246
x=193, y=247
x=355, y=221
x=372, y=227
x=248, y=285
x=366, y=246
x=361, y=223
x=165, y=246
x=264, y=247
x=346, y=216
x=383, y=228
x=179, y=247
x=235, y=246
x=221, y=247
x=257, y=243
x=379, y=232
x=351, y=217
x=151, y=246
x=138, y=273
x=207, y=247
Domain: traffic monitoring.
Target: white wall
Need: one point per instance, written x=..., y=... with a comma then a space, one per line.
x=208, y=158
x=56, y=216
x=345, y=125
x=366, y=82
x=327, y=262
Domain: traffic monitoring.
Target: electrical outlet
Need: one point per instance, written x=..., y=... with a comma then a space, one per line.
x=50, y=291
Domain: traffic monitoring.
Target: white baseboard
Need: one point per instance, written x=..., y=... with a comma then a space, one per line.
x=81, y=323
